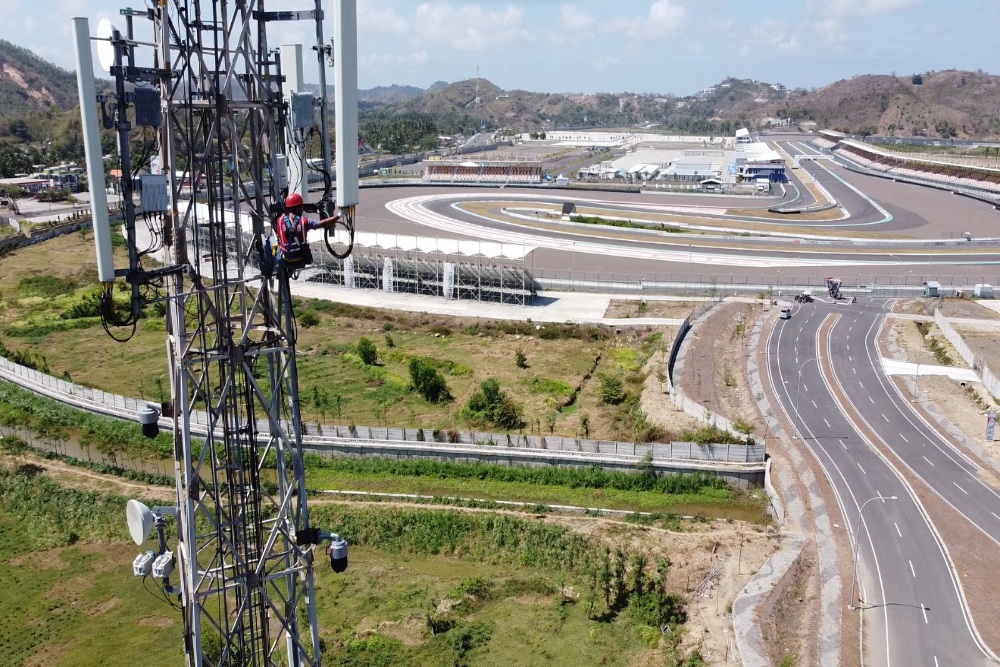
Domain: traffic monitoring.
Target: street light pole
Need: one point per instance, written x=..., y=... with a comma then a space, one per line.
x=857, y=535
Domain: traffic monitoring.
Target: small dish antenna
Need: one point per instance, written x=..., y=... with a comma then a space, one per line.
x=140, y=521
x=105, y=49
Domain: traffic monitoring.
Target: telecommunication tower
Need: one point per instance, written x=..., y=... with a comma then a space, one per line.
x=206, y=89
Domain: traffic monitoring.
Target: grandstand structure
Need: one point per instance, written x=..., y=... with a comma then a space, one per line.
x=959, y=176
x=447, y=268
x=484, y=173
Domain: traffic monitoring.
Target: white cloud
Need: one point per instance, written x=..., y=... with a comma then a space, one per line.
x=831, y=31
x=774, y=33
x=470, y=27
x=381, y=20
x=664, y=19
x=572, y=19
x=846, y=9
x=393, y=59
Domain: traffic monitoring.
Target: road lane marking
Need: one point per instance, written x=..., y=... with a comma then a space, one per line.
x=861, y=384
x=826, y=422
x=862, y=469
x=845, y=447
x=924, y=609
x=848, y=346
x=855, y=370
x=961, y=489
x=897, y=528
x=814, y=403
x=927, y=459
x=872, y=400
x=995, y=514
x=936, y=662
x=904, y=438
x=850, y=358
x=885, y=418
x=805, y=386
x=912, y=571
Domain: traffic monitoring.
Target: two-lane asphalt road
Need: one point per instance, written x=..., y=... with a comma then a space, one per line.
x=946, y=470
x=914, y=612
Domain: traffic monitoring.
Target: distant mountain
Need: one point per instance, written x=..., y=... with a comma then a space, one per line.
x=951, y=103
x=29, y=84
x=389, y=94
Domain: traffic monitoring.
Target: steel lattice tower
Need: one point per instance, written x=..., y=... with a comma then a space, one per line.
x=245, y=578
x=245, y=546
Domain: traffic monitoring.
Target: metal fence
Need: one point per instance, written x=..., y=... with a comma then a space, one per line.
x=975, y=362
x=107, y=403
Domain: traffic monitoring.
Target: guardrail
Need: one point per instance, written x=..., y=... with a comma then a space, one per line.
x=990, y=381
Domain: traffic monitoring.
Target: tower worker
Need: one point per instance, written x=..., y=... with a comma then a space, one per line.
x=291, y=227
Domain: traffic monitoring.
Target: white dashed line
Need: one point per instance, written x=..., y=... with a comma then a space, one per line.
x=897, y=528
x=855, y=370
x=845, y=447
x=872, y=400
x=860, y=384
x=850, y=358
x=924, y=609
x=904, y=438
x=826, y=422
x=995, y=514
x=862, y=469
x=927, y=459
x=961, y=489
x=885, y=418
x=936, y=662
x=912, y=571
x=814, y=403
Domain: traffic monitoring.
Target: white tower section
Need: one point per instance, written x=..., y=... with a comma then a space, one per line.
x=298, y=173
x=345, y=44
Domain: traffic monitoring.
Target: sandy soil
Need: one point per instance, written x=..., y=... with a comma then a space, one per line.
x=655, y=401
x=715, y=363
x=983, y=343
x=619, y=308
x=948, y=307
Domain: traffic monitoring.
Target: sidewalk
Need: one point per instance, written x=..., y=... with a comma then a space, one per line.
x=893, y=367
x=574, y=307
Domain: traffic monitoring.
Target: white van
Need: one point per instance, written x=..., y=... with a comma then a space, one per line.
x=786, y=313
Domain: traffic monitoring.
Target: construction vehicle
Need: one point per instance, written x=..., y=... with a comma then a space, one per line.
x=833, y=286
x=804, y=297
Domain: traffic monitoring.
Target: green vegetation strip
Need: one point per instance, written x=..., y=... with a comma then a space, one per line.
x=698, y=493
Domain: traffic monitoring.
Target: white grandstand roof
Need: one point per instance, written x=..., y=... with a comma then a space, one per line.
x=430, y=246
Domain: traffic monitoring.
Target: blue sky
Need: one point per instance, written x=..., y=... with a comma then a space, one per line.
x=661, y=46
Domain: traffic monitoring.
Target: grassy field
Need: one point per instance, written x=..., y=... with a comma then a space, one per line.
x=470, y=588
x=47, y=309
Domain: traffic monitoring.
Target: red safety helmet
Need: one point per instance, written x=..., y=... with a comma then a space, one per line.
x=293, y=200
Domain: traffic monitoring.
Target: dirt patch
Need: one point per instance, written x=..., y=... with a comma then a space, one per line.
x=781, y=617
x=655, y=402
x=412, y=631
x=984, y=344
x=948, y=308
x=622, y=308
x=50, y=654
x=43, y=560
x=156, y=622
x=715, y=364
x=104, y=607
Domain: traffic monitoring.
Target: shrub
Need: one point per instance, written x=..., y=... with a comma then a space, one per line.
x=308, y=319
x=367, y=351
x=428, y=382
x=612, y=389
x=519, y=359
x=489, y=403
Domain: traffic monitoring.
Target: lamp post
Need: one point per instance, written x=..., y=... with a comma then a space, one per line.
x=857, y=535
